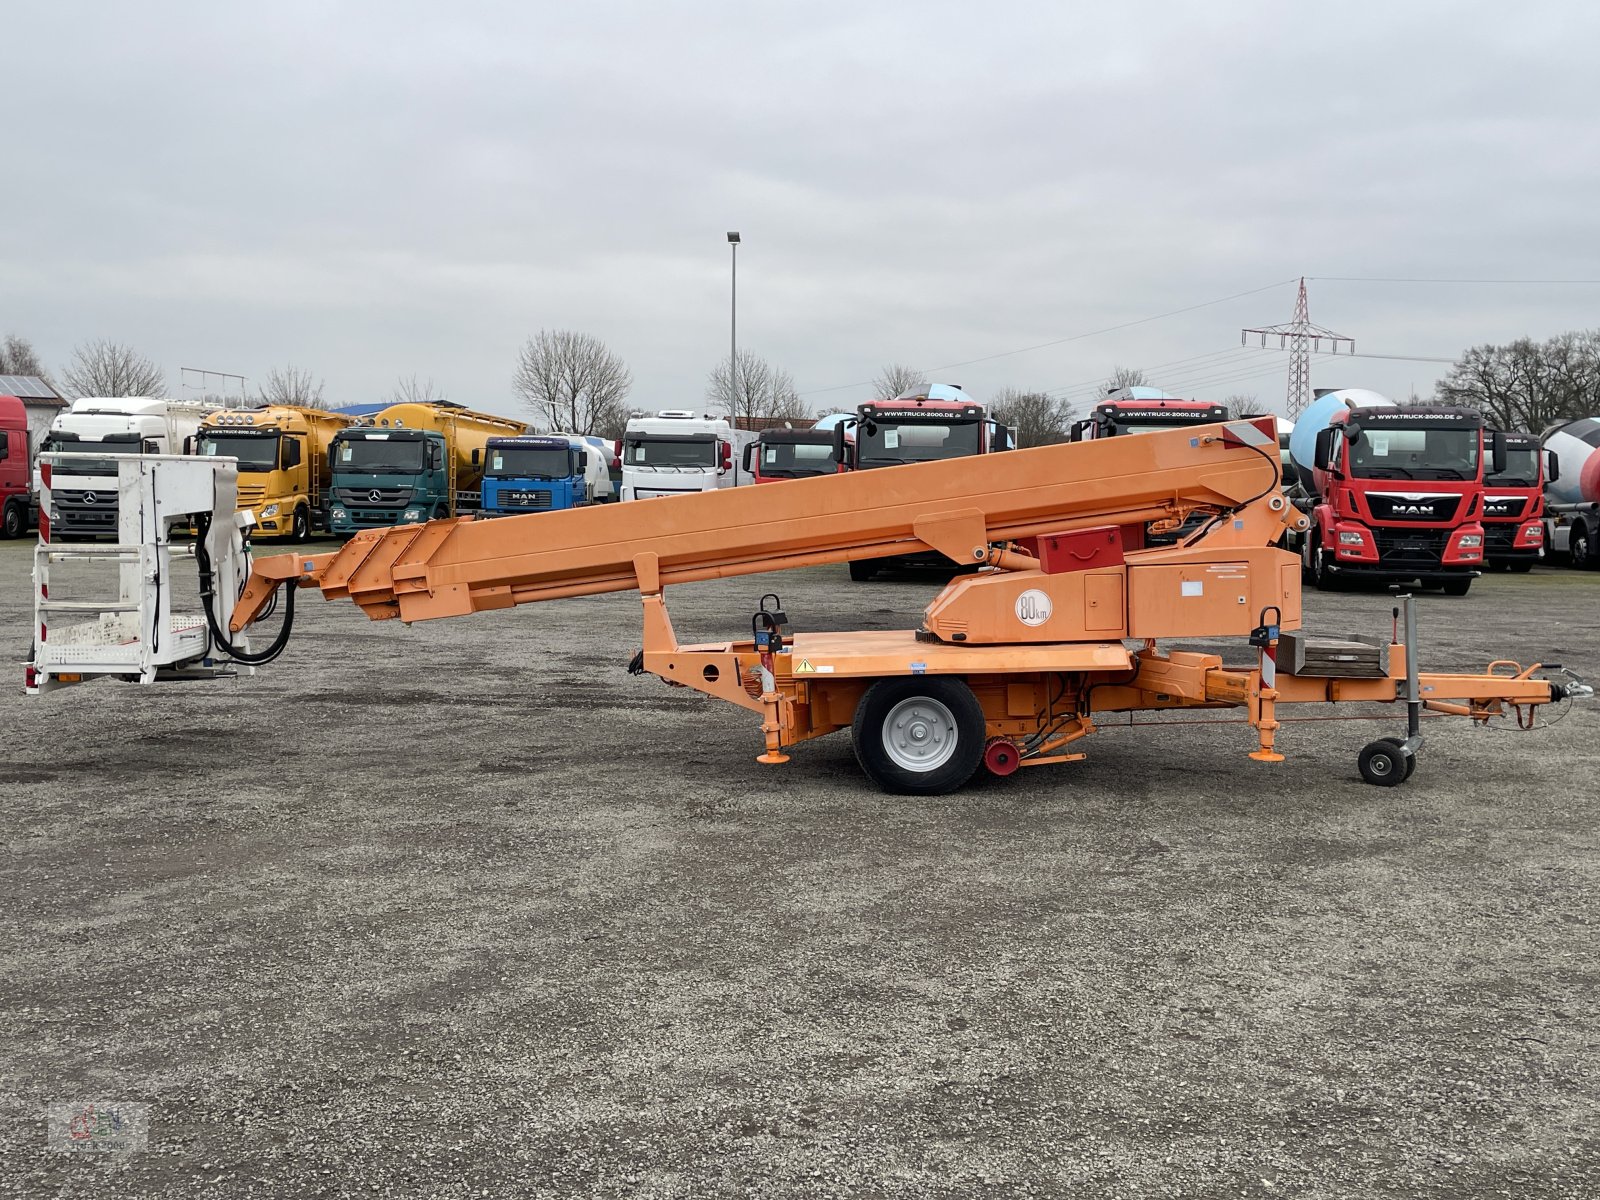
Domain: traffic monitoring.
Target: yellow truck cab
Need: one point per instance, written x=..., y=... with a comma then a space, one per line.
x=284, y=470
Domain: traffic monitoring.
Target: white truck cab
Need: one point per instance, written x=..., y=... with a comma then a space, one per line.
x=678, y=451
x=85, y=489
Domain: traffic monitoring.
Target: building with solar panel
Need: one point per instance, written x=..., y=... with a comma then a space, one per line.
x=39, y=399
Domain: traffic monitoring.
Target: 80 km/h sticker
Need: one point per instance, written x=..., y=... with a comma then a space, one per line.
x=1033, y=607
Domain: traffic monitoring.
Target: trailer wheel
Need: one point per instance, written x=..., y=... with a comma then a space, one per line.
x=1383, y=763
x=1457, y=587
x=14, y=522
x=862, y=570
x=919, y=735
x=1579, y=555
x=301, y=531
x=1411, y=759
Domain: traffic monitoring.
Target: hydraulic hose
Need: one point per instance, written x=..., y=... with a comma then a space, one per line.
x=207, y=597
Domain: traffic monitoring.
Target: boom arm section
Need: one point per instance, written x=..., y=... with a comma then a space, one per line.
x=959, y=507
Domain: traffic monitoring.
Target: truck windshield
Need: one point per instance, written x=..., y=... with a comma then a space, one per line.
x=69, y=443
x=1522, y=469
x=379, y=456
x=796, y=461
x=1158, y=426
x=642, y=450
x=254, y=451
x=881, y=443
x=530, y=462
x=1415, y=454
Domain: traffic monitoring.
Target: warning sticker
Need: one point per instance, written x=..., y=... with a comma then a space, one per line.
x=805, y=668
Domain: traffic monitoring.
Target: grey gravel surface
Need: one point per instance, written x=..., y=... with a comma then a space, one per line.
x=464, y=910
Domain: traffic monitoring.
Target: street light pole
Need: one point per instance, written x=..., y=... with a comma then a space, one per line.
x=733, y=326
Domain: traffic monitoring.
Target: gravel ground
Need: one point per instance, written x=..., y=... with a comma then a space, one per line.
x=464, y=910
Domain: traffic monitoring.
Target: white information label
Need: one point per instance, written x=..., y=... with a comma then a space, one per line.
x=1193, y=587
x=1033, y=607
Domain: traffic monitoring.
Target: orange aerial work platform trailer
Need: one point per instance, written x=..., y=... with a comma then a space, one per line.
x=1061, y=620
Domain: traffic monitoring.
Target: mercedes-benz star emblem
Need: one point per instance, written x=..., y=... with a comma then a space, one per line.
x=374, y=495
x=90, y=498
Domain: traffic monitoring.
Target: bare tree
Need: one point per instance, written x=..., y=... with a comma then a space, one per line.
x=408, y=389
x=761, y=390
x=1123, y=377
x=896, y=379
x=17, y=357
x=1039, y=418
x=1241, y=403
x=573, y=383
x=102, y=368
x=290, y=385
x=1525, y=384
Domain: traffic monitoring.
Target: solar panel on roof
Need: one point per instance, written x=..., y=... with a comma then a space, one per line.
x=26, y=387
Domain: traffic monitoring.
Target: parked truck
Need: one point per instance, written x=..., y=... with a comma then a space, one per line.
x=543, y=473
x=1394, y=494
x=923, y=425
x=678, y=452
x=790, y=454
x=1513, y=504
x=84, y=496
x=284, y=472
x=18, y=500
x=1121, y=414
x=1572, y=495
x=412, y=463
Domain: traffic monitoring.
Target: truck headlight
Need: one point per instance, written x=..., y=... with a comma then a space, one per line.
x=270, y=510
x=1349, y=539
x=339, y=514
x=411, y=514
x=1469, y=540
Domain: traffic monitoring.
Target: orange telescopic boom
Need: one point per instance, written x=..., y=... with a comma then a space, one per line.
x=1011, y=662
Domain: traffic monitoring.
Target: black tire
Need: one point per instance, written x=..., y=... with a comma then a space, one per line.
x=1324, y=579
x=940, y=758
x=1456, y=587
x=301, y=529
x=1520, y=567
x=1411, y=759
x=862, y=570
x=1383, y=763
x=14, y=523
x=1579, y=553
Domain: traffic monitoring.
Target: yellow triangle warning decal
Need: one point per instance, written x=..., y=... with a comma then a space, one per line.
x=805, y=668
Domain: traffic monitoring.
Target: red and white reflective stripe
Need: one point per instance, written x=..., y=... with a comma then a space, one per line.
x=44, y=502
x=1247, y=433
x=1269, y=666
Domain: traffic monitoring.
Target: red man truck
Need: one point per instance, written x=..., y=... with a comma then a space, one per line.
x=790, y=454
x=1395, y=495
x=1513, y=505
x=925, y=425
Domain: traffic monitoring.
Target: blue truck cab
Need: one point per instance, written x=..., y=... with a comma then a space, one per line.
x=534, y=474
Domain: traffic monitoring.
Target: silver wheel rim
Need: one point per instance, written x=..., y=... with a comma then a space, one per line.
x=1380, y=764
x=919, y=734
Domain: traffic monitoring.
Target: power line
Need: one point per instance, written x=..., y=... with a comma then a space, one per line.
x=1391, y=357
x=1076, y=337
x=1389, y=279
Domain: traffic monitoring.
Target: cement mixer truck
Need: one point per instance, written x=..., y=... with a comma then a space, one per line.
x=1572, y=492
x=1395, y=495
x=412, y=463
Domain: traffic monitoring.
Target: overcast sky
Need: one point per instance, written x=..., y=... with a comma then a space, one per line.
x=376, y=190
